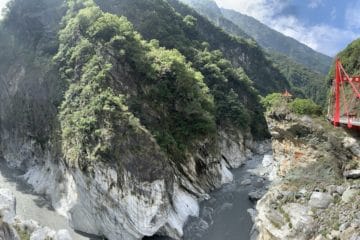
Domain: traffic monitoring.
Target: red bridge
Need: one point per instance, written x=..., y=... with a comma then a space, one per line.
x=344, y=107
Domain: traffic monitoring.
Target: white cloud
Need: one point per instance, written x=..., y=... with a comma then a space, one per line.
x=315, y=3
x=2, y=5
x=352, y=15
x=323, y=38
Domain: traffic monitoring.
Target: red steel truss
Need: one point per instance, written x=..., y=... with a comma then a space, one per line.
x=345, y=98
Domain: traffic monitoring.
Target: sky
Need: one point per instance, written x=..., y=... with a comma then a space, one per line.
x=327, y=26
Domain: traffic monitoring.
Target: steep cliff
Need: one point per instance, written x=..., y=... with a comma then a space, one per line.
x=123, y=135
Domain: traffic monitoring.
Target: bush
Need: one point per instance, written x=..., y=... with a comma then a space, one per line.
x=273, y=100
x=305, y=106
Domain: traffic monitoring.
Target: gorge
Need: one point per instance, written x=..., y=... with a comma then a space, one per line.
x=129, y=119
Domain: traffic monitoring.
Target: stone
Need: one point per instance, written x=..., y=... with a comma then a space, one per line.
x=255, y=195
x=352, y=145
x=340, y=189
x=63, y=235
x=349, y=194
x=252, y=213
x=43, y=233
x=350, y=233
x=7, y=206
x=267, y=160
x=246, y=182
x=299, y=217
x=344, y=226
x=320, y=200
x=352, y=174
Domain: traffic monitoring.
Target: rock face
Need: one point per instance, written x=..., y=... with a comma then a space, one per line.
x=138, y=194
x=12, y=226
x=310, y=197
x=7, y=206
x=354, y=174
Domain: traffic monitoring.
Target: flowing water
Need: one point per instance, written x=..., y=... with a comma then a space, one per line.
x=225, y=216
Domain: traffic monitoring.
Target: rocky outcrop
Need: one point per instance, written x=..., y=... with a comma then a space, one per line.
x=12, y=227
x=310, y=197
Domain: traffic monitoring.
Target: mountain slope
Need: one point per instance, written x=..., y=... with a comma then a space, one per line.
x=273, y=40
x=305, y=82
x=102, y=118
x=175, y=32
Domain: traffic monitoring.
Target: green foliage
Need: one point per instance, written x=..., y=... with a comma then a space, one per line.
x=273, y=100
x=276, y=42
x=190, y=21
x=305, y=106
x=305, y=82
x=171, y=99
x=276, y=102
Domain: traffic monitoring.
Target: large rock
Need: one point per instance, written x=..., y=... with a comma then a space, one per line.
x=349, y=194
x=353, y=174
x=7, y=205
x=43, y=233
x=300, y=219
x=320, y=200
x=352, y=144
x=233, y=149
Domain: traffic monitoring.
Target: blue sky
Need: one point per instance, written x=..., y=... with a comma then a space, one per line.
x=327, y=26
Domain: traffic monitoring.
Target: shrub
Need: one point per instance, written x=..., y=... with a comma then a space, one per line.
x=273, y=100
x=305, y=106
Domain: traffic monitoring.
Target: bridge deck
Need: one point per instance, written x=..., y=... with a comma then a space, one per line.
x=354, y=122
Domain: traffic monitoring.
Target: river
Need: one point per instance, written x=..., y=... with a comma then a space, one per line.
x=224, y=216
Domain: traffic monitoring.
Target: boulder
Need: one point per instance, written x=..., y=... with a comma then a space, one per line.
x=320, y=200
x=353, y=174
x=255, y=195
x=43, y=233
x=63, y=235
x=349, y=194
x=246, y=182
x=300, y=219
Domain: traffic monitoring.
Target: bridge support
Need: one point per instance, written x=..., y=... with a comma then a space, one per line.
x=338, y=79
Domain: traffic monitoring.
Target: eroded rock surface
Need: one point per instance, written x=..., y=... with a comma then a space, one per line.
x=314, y=194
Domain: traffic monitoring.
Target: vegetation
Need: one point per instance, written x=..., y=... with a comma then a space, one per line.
x=277, y=42
x=181, y=109
x=304, y=81
x=305, y=106
x=276, y=101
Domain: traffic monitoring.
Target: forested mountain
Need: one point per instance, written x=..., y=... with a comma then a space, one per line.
x=126, y=113
x=275, y=41
x=304, y=68
x=116, y=102
x=350, y=58
x=266, y=37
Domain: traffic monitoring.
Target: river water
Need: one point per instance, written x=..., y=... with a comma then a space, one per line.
x=224, y=216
